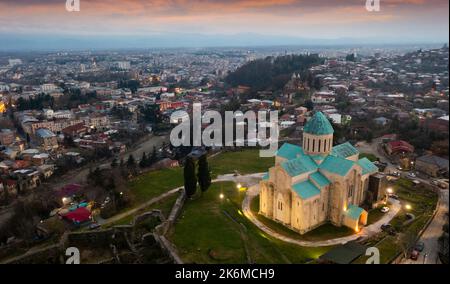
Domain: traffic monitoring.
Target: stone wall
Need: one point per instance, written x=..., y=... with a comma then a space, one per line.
x=161, y=230
x=115, y=236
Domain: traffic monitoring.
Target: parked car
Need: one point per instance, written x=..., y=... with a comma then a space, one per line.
x=394, y=196
x=415, y=255
x=388, y=229
x=94, y=226
x=412, y=175
x=420, y=246
x=385, y=209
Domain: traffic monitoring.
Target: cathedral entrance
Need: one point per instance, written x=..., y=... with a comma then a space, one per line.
x=355, y=218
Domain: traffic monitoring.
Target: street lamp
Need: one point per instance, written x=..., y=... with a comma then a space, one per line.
x=408, y=207
x=239, y=186
x=221, y=196
x=390, y=190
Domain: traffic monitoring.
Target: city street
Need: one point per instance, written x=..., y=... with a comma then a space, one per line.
x=434, y=231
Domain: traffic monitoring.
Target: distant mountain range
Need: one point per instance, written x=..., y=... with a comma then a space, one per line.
x=22, y=42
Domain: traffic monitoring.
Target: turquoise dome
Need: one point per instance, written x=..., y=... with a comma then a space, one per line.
x=318, y=125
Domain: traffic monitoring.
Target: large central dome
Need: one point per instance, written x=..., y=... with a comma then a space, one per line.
x=318, y=125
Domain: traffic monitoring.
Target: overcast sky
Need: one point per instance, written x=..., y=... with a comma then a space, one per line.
x=416, y=20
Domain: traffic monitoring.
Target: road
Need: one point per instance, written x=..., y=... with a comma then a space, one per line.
x=375, y=149
x=432, y=233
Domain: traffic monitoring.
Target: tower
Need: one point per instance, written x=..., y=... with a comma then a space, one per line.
x=318, y=135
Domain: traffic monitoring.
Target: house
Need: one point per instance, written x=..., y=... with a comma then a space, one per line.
x=8, y=153
x=76, y=130
x=432, y=165
x=40, y=159
x=323, y=97
x=399, y=147
x=317, y=182
x=434, y=125
x=381, y=121
x=46, y=170
x=10, y=186
x=47, y=139
x=7, y=137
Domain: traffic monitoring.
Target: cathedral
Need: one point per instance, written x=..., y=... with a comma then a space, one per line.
x=317, y=182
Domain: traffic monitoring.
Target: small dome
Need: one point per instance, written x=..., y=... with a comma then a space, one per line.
x=318, y=125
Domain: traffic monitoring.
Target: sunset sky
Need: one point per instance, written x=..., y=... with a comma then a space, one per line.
x=411, y=20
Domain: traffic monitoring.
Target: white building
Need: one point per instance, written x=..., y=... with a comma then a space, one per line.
x=14, y=62
x=124, y=65
x=48, y=88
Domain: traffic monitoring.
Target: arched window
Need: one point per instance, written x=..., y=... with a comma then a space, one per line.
x=320, y=144
x=325, y=145
x=314, y=145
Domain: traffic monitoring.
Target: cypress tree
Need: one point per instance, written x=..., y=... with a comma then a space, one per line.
x=143, y=163
x=131, y=162
x=204, y=175
x=190, y=180
x=154, y=157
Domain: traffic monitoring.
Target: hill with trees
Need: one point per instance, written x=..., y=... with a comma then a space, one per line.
x=271, y=72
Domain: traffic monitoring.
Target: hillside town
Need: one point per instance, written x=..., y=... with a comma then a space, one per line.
x=72, y=120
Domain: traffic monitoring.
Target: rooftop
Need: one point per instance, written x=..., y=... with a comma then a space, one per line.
x=337, y=165
x=344, y=150
x=306, y=189
x=318, y=125
x=299, y=166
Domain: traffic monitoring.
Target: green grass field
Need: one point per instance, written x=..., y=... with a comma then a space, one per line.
x=153, y=184
x=369, y=156
x=245, y=162
x=223, y=235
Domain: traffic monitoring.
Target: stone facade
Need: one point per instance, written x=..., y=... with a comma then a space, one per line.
x=317, y=183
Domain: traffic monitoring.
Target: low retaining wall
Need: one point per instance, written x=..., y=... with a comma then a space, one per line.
x=163, y=228
x=116, y=236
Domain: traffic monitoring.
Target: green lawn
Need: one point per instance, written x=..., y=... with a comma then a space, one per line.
x=324, y=232
x=153, y=184
x=211, y=230
x=246, y=161
x=369, y=156
x=375, y=215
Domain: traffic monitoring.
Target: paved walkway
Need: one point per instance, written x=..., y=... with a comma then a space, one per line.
x=365, y=232
x=133, y=211
x=248, y=179
x=252, y=182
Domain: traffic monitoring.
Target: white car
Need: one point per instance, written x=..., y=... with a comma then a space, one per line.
x=385, y=209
